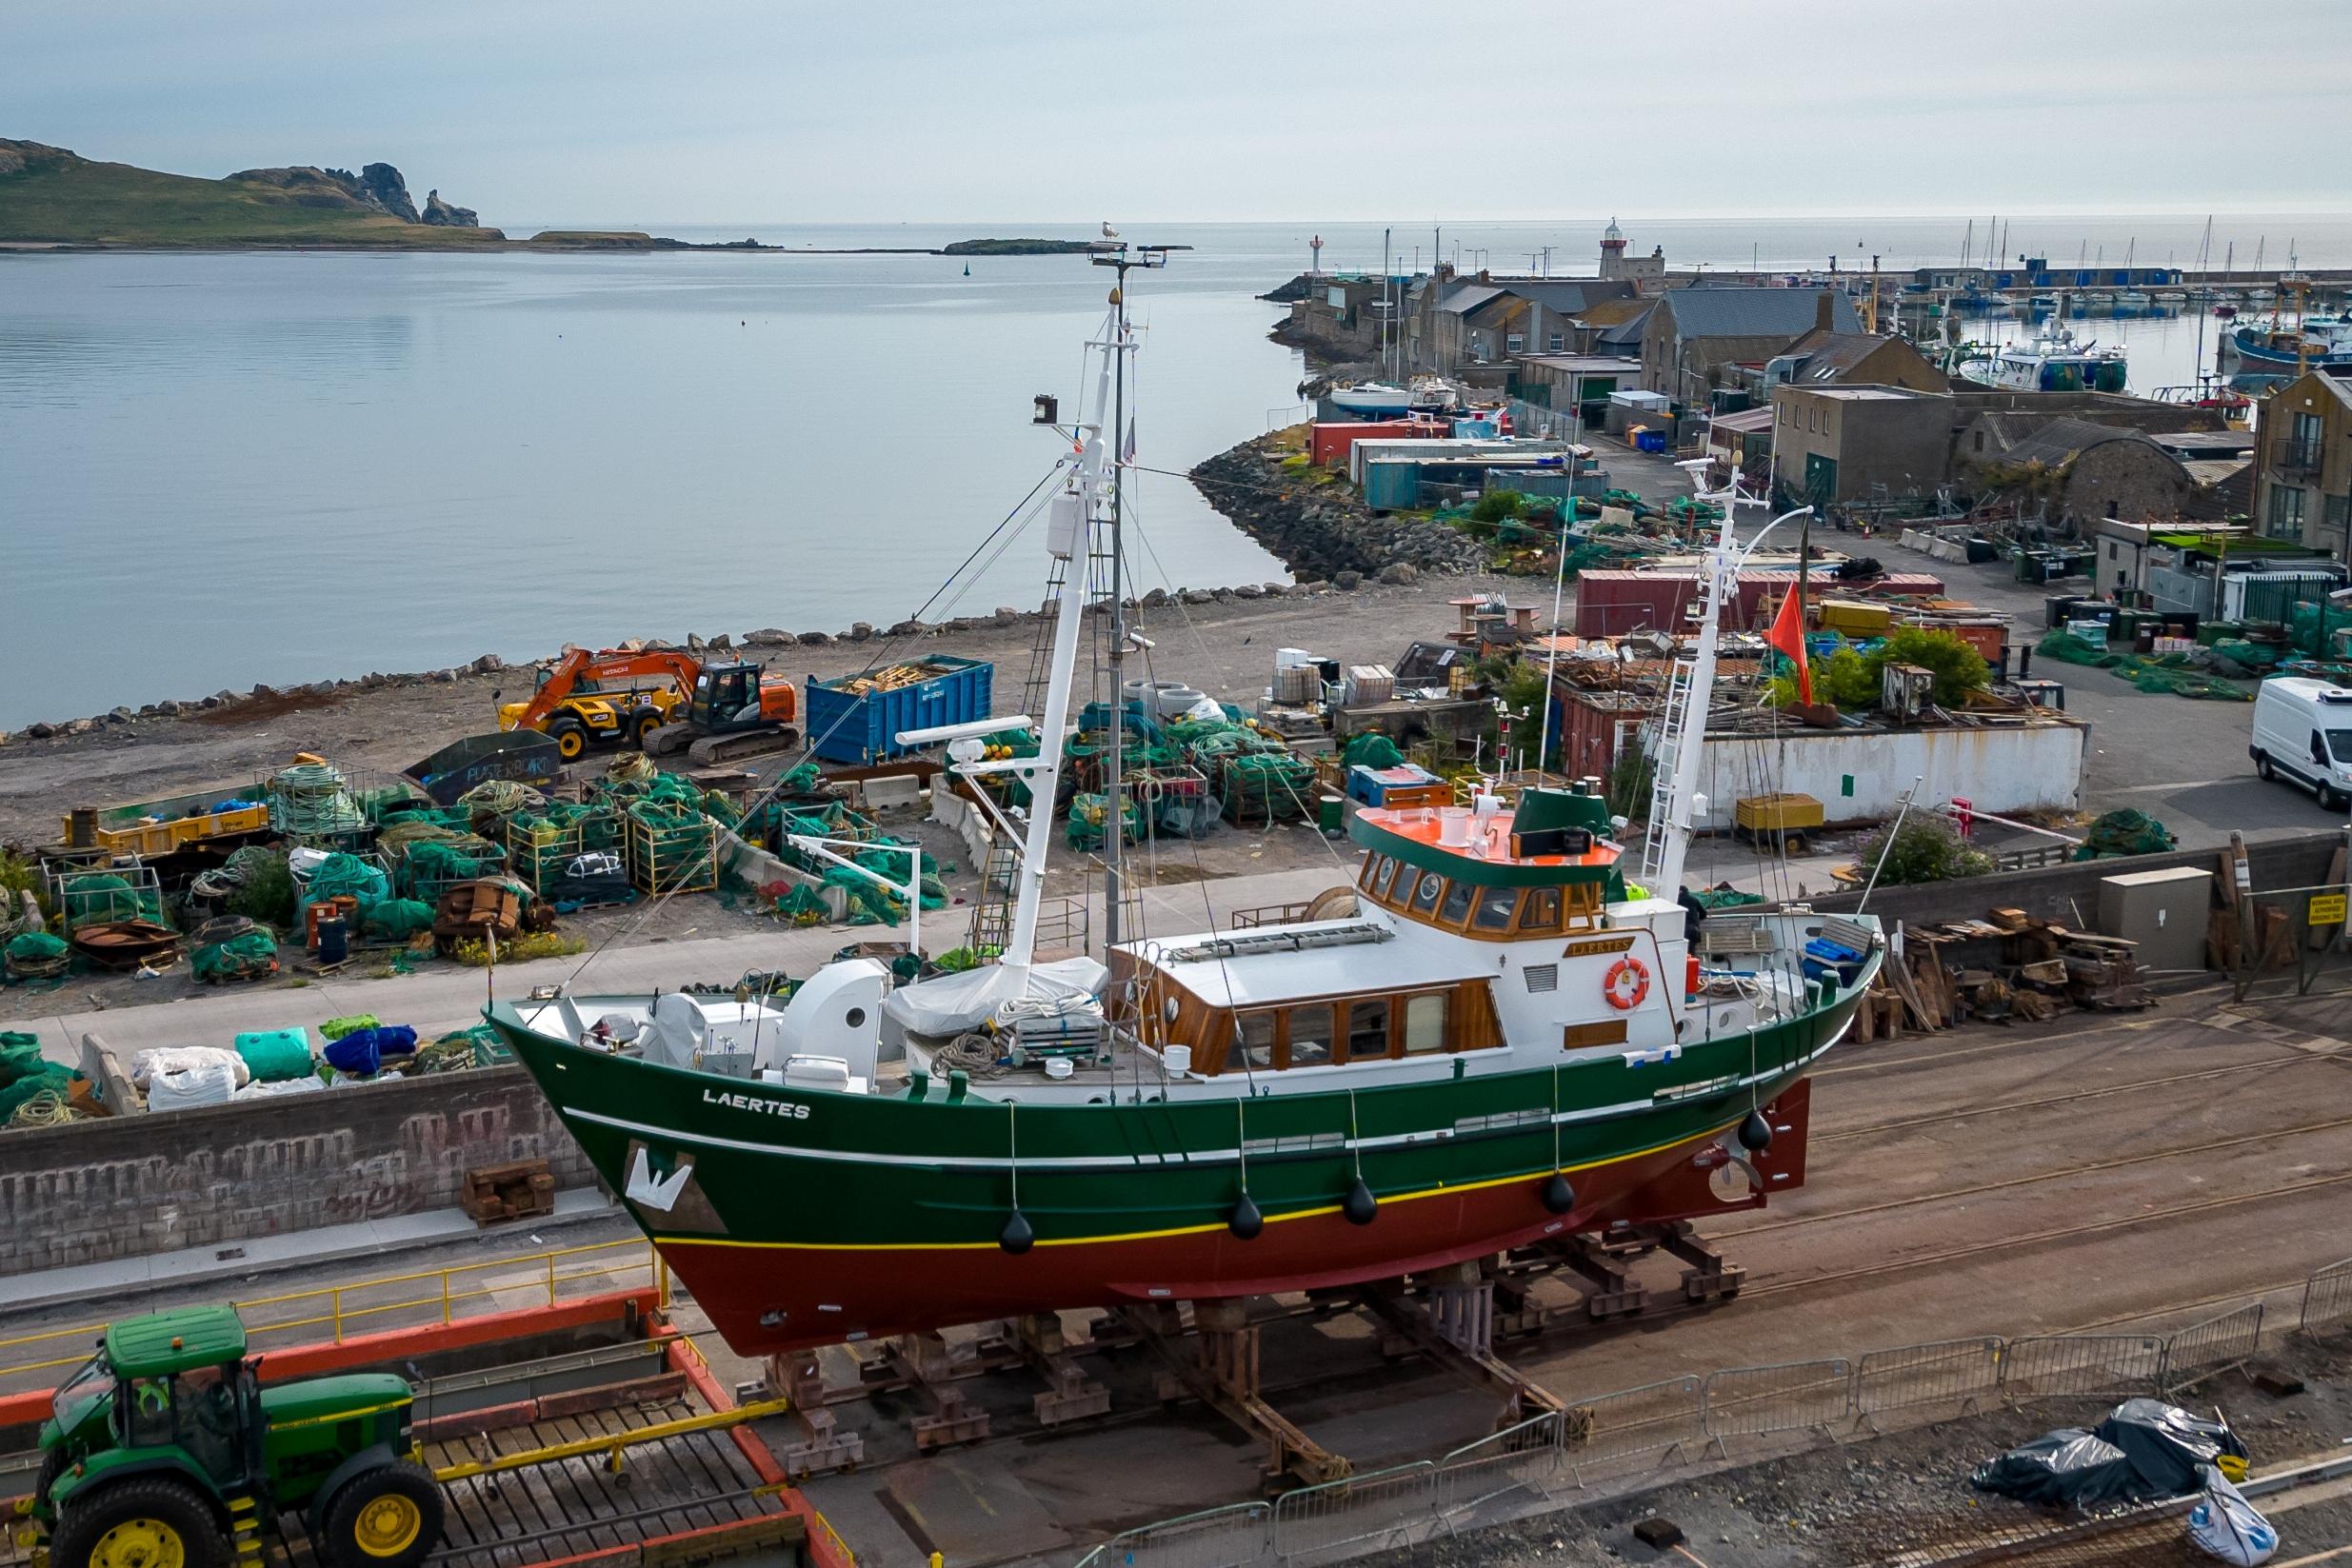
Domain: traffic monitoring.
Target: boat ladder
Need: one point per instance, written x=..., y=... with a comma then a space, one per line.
x=1671, y=723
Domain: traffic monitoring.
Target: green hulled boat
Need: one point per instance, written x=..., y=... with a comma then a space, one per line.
x=1495, y=1040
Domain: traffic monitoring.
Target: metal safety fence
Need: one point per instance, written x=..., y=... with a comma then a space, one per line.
x=2327, y=1297
x=1684, y=1417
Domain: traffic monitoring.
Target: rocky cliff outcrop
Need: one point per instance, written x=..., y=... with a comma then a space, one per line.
x=1320, y=530
x=439, y=211
x=377, y=188
x=383, y=186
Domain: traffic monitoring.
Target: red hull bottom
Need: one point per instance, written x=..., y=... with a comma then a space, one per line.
x=767, y=1299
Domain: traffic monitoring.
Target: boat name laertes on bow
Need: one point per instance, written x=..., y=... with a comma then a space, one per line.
x=753, y=1102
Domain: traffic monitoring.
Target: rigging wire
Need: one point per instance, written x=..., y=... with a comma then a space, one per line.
x=1018, y=520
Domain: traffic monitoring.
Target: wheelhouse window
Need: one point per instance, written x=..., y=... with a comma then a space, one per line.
x=1253, y=1043
x=1457, y=903
x=1425, y=1023
x=1430, y=888
x=1368, y=1029
x=1542, y=910
x=1382, y=878
x=1310, y=1036
x=1496, y=906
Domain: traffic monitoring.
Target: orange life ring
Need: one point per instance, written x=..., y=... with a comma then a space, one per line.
x=1626, y=984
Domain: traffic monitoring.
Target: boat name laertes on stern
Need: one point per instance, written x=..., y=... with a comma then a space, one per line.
x=1491, y=1039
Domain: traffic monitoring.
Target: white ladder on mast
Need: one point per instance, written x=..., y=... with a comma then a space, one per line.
x=1672, y=723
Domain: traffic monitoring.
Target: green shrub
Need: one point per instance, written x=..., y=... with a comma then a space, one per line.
x=1845, y=679
x=1497, y=504
x=1960, y=668
x=268, y=895
x=1925, y=849
x=1629, y=783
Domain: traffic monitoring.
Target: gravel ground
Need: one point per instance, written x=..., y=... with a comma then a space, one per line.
x=1862, y=1502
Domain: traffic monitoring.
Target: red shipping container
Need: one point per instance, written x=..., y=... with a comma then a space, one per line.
x=1328, y=441
x=1616, y=603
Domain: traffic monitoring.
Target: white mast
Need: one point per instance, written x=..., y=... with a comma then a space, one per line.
x=1681, y=733
x=1070, y=525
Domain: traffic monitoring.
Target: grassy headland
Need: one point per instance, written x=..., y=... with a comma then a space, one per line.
x=49, y=194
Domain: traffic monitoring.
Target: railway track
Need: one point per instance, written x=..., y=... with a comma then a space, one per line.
x=2104, y=1091
x=2059, y=1233
x=2065, y=1172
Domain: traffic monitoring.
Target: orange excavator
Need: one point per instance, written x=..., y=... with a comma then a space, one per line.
x=664, y=701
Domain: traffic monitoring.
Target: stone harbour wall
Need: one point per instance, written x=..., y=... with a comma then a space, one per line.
x=126, y=1186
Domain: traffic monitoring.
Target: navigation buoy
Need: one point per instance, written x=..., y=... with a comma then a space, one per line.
x=1359, y=1206
x=1559, y=1195
x=1247, y=1222
x=1755, y=1133
x=1016, y=1238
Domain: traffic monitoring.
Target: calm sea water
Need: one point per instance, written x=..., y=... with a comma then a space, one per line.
x=219, y=470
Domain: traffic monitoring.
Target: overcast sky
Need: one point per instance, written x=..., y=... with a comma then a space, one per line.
x=717, y=112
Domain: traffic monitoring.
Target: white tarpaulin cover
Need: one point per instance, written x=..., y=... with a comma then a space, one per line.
x=952, y=1003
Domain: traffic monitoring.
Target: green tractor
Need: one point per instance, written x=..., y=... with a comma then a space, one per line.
x=165, y=1451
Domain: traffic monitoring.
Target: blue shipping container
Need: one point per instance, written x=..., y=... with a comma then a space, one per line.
x=1391, y=487
x=848, y=727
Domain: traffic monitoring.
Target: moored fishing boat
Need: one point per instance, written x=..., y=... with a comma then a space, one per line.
x=1504, y=1039
x=2053, y=360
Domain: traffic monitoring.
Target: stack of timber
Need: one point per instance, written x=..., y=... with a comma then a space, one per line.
x=2030, y=969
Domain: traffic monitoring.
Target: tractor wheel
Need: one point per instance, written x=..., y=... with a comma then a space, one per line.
x=385, y=1518
x=146, y=1521
x=53, y=1465
x=571, y=737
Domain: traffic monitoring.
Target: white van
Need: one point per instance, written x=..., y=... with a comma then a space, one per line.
x=2302, y=729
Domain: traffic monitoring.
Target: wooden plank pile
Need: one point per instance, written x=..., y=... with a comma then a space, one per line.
x=519, y=1190
x=2042, y=969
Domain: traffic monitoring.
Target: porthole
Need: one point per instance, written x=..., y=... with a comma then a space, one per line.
x=856, y=1019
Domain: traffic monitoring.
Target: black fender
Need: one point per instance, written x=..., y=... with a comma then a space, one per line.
x=373, y=1456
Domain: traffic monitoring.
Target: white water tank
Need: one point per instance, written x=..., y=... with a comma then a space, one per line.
x=1177, y=1060
x=1453, y=826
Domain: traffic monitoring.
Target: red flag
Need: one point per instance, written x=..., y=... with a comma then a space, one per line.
x=1788, y=634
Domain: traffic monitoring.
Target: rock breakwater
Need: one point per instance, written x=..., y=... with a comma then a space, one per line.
x=1320, y=526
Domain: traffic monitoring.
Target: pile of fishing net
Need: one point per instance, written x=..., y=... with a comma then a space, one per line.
x=489, y=805
x=1371, y=749
x=26, y=1079
x=2065, y=645
x=2173, y=672
x=430, y=867
x=89, y=897
x=310, y=799
x=2125, y=832
x=2176, y=673
x=1725, y=898
x=223, y=880
x=801, y=905
x=233, y=949
x=343, y=876
x=2252, y=657
x=1089, y=818
x=36, y=955
x=397, y=920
